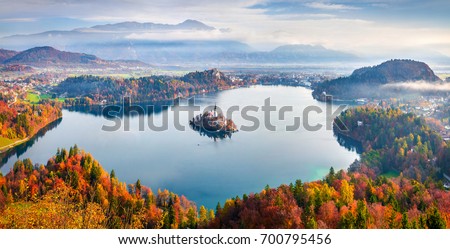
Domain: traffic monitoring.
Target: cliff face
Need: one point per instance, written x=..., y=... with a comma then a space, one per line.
x=365, y=82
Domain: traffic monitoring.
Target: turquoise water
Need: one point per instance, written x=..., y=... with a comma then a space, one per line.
x=204, y=170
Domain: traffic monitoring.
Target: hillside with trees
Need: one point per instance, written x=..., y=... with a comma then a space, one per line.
x=73, y=191
x=394, y=141
x=22, y=121
x=42, y=56
x=341, y=200
x=365, y=82
x=94, y=89
x=46, y=57
x=6, y=54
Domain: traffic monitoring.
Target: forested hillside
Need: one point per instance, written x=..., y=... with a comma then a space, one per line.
x=365, y=82
x=23, y=120
x=393, y=140
x=87, y=90
x=341, y=200
x=74, y=191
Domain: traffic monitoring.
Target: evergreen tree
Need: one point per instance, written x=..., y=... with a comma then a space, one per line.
x=362, y=215
x=347, y=221
x=405, y=223
x=138, y=188
x=203, y=215
x=434, y=219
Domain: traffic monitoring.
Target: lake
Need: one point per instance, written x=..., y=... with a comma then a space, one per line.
x=205, y=170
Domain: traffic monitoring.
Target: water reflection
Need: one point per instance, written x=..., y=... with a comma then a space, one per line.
x=215, y=135
x=348, y=142
x=151, y=108
x=22, y=148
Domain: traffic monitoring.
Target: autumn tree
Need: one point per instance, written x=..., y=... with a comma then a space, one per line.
x=362, y=215
x=346, y=193
x=434, y=219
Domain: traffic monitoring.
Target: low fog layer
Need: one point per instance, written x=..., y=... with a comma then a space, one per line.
x=420, y=86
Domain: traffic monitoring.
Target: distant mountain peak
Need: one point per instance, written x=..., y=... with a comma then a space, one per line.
x=299, y=46
x=301, y=52
x=49, y=56
x=46, y=55
x=192, y=21
x=131, y=26
x=43, y=48
x=304, y=48
x=194, y=24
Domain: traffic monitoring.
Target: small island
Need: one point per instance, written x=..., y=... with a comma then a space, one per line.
x=213, y=122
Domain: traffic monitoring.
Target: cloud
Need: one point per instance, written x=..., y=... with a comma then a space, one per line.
x=370, y=29
x=418, y=86
x=380, y=5
x=295, y=16
x=181, y=35
x=330, y=6
x=18, y=19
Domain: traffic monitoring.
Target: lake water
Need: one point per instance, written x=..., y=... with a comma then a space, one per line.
x=204, y=170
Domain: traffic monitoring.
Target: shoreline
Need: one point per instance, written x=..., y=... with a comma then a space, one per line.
x=8, y=147
x=177, y=98
x=12, y=145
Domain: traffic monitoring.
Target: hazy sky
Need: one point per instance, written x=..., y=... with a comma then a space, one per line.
x=363, y=26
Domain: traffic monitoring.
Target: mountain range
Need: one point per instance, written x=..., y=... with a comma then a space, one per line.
x=189, y=43
x=149, y=26
x=152, y=43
